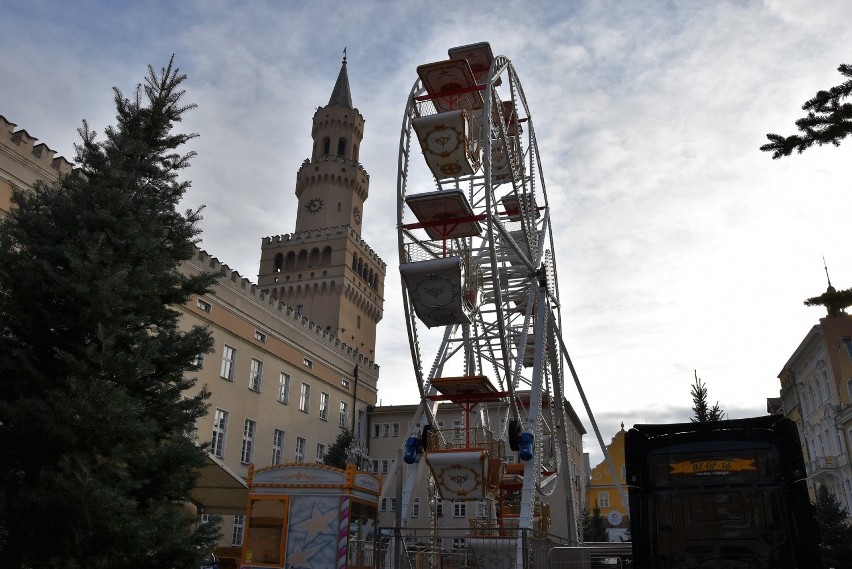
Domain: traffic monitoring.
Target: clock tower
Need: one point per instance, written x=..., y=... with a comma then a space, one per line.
x=332, y=186
x=325, y=270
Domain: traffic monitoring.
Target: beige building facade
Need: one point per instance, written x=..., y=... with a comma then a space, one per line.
x=23, y=162
x=816, y=387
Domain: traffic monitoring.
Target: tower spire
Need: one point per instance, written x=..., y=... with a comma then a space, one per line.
x=824, y=265
x=341, y=95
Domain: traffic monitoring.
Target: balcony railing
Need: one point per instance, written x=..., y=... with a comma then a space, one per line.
x=827, y=464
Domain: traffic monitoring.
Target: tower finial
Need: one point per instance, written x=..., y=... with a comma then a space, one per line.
x=344, y=56
x=825, y=266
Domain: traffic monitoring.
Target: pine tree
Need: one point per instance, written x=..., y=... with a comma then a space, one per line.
x=96, y=437
x=337, y=452
x=593, y=525
x=829, y=120
x=834, y=526
x=702, y=412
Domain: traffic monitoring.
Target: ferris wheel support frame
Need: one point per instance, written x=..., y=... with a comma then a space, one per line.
x=607, y=457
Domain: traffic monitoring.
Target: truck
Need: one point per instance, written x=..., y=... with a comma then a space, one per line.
x=725, y=494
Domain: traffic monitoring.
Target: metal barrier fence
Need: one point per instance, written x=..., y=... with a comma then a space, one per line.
x=449, y=548
x=594, y=555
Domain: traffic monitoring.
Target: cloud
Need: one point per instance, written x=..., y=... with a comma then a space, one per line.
x=679, y=244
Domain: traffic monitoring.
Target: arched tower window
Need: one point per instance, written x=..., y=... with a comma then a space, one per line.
x=279, y=262
x=326, y=146
x=360, y=267
x=302, y=260
x=354, y=262
x=326, y=256
x=290, y=263
x=314, y=258
x=341, y=147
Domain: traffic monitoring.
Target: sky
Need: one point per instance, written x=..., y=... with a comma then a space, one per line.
x=680, y=246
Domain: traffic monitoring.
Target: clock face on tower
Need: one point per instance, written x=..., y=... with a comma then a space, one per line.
x=356, y=213
x=314, y=205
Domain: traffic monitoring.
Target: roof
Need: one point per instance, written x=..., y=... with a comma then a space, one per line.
x=341, y=95
x=219, y=490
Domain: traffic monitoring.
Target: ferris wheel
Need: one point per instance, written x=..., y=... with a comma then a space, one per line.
x=479, y=286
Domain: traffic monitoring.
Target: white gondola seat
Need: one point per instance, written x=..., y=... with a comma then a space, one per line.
x=520, y=240
x=451, y=85
x=478, y=56
x=442, y=291
x=451, y=143
x=518, y=207
x=505, y=162
x=446, y=214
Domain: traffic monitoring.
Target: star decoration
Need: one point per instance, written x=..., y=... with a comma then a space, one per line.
x=318, y=523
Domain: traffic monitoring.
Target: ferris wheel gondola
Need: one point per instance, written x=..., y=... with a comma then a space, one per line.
x=479, y=285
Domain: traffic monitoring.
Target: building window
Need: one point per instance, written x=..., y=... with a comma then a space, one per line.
x=229, y=361
x=206, y=518
x=345, y=383
x=439, y=508
x=308, y=363
x=277, y=446
x=320, y=452
x=458, y=430
x=323, y=406
x=603, y=499
x=395, y=429
x=220, y=429
x=377, y=430
x=260, y=336
x=374, y=466
x=239, y=527
x=305, y=397
x=248, y=441
x=459, y=543
x=386, y=430
x=391, y=504
x=385, y=465
x=255, y=374
x=383, y=507
x=415, y=508
x=300, y=449
x=284, y=388
x=204, y=305
x=459, y=509
x=344, y=415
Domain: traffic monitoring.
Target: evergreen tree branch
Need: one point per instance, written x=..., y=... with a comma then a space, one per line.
x=828, y=121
